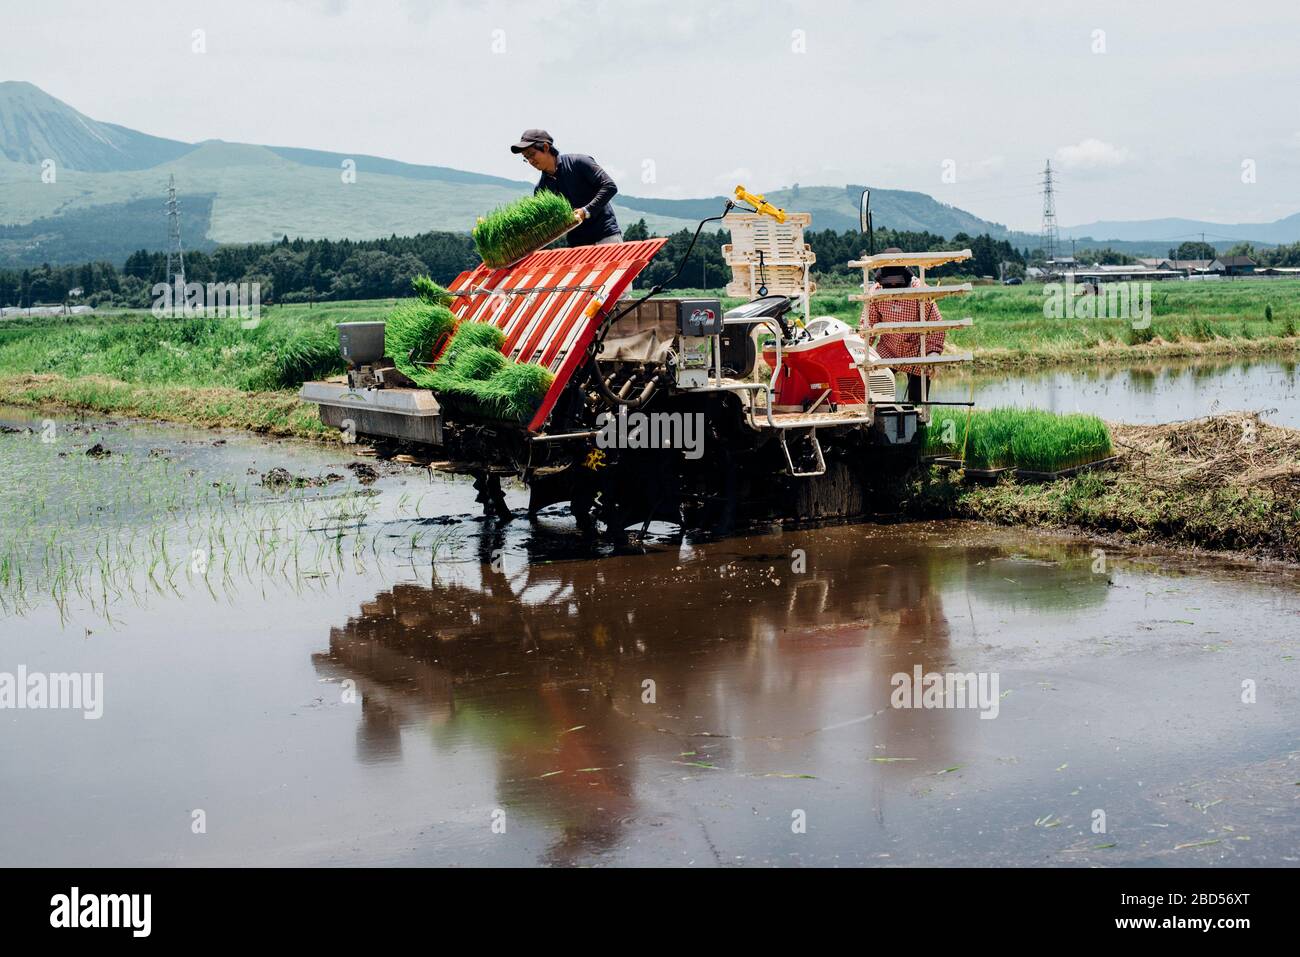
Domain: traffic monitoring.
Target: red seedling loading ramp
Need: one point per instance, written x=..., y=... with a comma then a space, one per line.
x=550, y=304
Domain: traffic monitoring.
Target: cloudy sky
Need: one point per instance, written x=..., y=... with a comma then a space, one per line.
x=1146, y=110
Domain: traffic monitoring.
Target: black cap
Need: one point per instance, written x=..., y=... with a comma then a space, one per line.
x=894, y=276
x=532, y=138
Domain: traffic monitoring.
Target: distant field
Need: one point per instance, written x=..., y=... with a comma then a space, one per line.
x=1187, y=318
x=211, y=373
x=133, y=363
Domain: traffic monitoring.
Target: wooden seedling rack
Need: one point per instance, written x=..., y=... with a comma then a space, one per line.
x=771, y=255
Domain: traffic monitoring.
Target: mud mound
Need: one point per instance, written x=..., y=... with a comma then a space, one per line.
x=279, y=479
x=1235, y=448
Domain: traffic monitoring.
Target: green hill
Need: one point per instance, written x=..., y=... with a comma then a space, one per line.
x=107, y=176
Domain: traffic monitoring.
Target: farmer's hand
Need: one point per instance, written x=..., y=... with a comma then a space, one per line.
x=580, y=214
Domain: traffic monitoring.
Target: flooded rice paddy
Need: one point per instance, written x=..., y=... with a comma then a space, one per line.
x=1144, y=395
x=360, y=670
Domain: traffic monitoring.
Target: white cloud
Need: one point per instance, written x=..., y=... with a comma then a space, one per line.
x=985, y=168
x=1092, y=154
x=741, y=174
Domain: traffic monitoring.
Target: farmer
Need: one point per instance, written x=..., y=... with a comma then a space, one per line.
x=579, y=179
x=904, y=345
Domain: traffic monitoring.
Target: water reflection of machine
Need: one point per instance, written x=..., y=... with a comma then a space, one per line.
x=509, y=658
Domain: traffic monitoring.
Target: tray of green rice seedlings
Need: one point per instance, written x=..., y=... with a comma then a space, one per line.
x=1037, y=445
x=511, y=232
x=413, y=333
x=473, y=378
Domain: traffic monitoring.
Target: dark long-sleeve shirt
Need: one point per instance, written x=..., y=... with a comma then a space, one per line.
x=580, y=180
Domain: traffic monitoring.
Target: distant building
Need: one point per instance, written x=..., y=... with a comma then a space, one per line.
x=1130, y=273
x=1233, y=265
x=1186, y=266
x=1061, y=265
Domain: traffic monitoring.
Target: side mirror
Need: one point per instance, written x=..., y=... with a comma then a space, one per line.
x=864, y=221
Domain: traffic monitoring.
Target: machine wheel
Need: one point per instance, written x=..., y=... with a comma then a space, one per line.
x=491, y=497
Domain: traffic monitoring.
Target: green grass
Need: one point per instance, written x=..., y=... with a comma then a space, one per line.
x=1029, y=439
x=281, y=352
x=512, y=231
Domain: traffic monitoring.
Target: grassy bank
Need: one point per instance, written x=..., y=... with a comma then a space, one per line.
x=1223, y=483
x=278, y=413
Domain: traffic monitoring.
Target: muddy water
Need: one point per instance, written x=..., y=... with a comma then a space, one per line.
x=1166, y=392
x=510, y=698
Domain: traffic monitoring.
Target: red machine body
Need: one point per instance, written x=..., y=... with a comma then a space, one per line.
x=829, y=361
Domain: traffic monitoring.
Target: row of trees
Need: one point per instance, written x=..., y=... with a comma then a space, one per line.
x=707, y=269
x=289, y=271
x=304, y=270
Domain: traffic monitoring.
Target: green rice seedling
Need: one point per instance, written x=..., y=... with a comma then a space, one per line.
x=1031, y=439
x=413, y=331
x=476, y=376
x=519, y=389
x=429, y=291
x=477, y=363
x=511, y=232
x=477, y=334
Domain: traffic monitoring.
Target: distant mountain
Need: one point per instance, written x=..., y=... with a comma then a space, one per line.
x=836, y=207
x=107, y=194
x=107, y=176
x=99, y=233
x=35, y=126
x=1174, y=231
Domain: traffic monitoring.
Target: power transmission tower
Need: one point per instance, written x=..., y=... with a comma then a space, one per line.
x=175, y=258
x=1051, y=235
